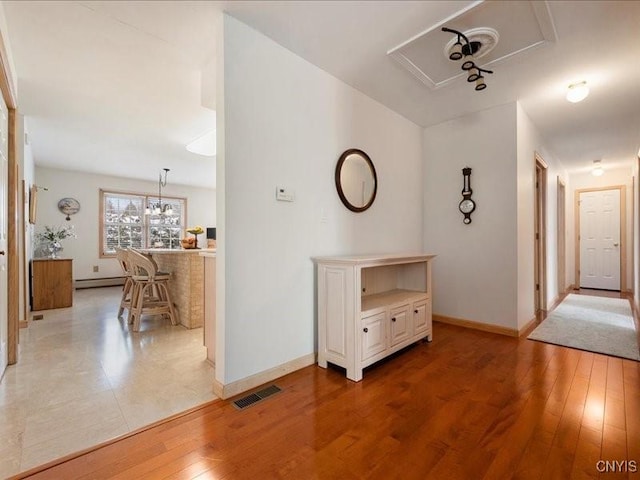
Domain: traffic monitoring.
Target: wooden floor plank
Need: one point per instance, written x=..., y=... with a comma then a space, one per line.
x=468, y=405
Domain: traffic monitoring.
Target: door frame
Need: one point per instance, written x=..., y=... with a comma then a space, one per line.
x=8, y=91
x=540, y=233
x=561, y=235
x=623, y=231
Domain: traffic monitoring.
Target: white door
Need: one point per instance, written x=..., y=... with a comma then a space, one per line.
x=600, y=239
x=4, y=323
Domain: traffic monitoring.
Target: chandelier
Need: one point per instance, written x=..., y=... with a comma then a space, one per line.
x=158, y=208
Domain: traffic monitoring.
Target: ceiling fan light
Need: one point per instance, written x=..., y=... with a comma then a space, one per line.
x=480, y=85
x=456, y=51
x=474, y=74
x=468, y=63
x=577, y=92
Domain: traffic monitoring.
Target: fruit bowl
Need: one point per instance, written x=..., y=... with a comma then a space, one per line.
x=188, y=243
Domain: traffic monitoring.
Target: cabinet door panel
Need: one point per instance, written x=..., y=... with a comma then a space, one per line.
x=373, y=335
x=421, y=318
x=400, y=325
x=52, y=284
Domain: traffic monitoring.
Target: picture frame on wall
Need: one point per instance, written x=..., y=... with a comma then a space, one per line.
x=33, y=203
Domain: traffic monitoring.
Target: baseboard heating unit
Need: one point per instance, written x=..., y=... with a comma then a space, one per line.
x=98, y=282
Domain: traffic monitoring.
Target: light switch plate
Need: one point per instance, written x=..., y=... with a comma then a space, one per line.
x=284, y=194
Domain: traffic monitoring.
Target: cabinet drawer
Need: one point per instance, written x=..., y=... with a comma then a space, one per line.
x=421, y=317
x=372, y=334
x=399, y=320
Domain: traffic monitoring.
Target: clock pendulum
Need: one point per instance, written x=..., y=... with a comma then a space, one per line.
x=467, y=206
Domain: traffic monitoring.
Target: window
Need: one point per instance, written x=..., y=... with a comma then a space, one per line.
x=124, y=223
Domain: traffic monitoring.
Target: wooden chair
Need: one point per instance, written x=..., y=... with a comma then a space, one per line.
x=150, y=290
x=127, y=290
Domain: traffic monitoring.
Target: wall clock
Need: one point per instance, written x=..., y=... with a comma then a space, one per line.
x=467, y=206
x=69, y=206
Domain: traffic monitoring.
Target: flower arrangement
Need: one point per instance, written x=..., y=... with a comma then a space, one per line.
x=52, y=237
x=55, y=234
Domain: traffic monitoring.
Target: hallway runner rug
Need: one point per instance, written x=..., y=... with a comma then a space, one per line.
x=595, y=324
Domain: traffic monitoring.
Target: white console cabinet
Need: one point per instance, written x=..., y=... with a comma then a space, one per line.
x=370, y=307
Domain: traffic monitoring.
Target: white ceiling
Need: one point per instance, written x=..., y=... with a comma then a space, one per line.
x=115, y=87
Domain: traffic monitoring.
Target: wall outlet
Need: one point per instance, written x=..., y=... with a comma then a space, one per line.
x=95, y=268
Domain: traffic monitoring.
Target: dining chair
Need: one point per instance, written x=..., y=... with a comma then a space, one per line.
x=151, y=295
x=127, y=289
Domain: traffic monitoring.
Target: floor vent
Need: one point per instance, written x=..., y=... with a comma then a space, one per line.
x=255, y=397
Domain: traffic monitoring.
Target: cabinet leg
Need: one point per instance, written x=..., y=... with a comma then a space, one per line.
x=322, y=362
x=430, y=338
x=354, y=374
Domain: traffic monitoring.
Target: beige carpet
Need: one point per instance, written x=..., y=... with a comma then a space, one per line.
x=595, y=324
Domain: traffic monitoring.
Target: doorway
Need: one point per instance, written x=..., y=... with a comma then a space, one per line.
x=4, y=236
x=561, y=228
x=600, y=238
x=540, y=235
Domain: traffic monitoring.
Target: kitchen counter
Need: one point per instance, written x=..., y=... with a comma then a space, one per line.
x=177, y=250
x=186, y=284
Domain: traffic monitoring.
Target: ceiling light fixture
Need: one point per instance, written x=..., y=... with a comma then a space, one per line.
x=597, y=169
x=577, y=92
x=204, y=145
x=158, y=208
x=467, y=50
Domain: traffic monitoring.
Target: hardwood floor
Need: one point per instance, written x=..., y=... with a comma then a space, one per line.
x=470, y=405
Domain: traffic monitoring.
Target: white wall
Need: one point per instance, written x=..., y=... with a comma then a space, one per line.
x=611, y=177
x=201, y=210
x=474, y=275
x=529, y=142
x=285, y=123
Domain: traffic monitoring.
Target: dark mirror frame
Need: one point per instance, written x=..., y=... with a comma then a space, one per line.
x=341, y=194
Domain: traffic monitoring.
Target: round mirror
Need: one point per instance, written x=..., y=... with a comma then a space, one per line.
x=356, y=180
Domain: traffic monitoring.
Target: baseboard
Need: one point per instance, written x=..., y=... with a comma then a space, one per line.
x=557, y=301
x=527, y=327
x=485, y=327
x=554, y=303
x=636, y=313
x=23, y=324
x=232, y=389
x=98, y=282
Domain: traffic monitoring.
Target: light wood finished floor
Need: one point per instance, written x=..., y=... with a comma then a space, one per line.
x=84, y=377
x=470, y=405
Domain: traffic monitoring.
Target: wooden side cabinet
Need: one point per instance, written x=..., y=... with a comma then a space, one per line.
x=370, y=307
x=51, y=283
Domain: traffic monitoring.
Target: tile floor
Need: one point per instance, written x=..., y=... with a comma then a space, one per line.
x=84, y=377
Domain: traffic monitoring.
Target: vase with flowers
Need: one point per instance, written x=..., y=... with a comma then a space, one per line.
x=51, y=237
